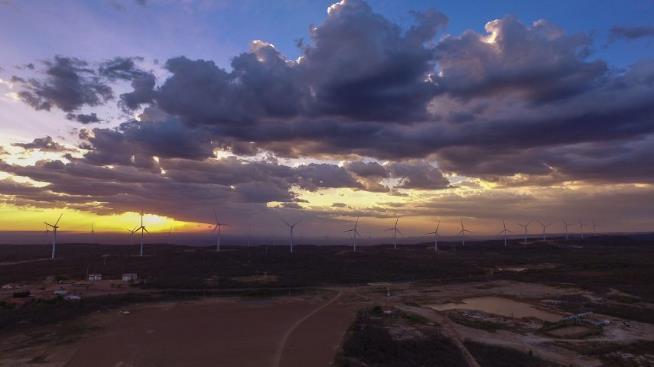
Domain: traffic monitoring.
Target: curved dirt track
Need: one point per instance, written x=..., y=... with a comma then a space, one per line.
x=281, y=332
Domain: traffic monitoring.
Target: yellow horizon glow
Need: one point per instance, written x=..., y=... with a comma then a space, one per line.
x=14, y=218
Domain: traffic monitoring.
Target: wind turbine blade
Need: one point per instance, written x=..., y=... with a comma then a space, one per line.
x=284, y=221
x=58, y=219
x=145, y=229
x=215, y=215
x=398, y=231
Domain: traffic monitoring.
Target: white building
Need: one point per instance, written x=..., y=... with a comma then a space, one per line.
x=130, y=277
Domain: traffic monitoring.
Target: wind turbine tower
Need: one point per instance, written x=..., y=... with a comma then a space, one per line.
x=462, y=233
x=355, y=234
x=581, y=228
x=142, y=229
x=291, y=228
x=544, y=226
x=525, y=227
x=218, y=228
x=435, y=233
x=566, y=225
x=54, y=227
x=506, y=232
x=395, y=232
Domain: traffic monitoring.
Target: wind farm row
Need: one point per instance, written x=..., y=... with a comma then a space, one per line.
x=505, y=233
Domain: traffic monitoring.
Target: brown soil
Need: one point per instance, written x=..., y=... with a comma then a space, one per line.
x=220, y=333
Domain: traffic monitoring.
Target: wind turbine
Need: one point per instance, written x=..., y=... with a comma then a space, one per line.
x=142, y=229
x=395, y=232
x=131, y=234
x=462, y=233
x=54, y=227
x=506, y=232
x=594, y=225
x=545, y=226
x=435, y=233
x=218, y=228
x=581, y=228
x=93, y=232
x=526, y=229
x=355, y=233
x=566, y=225
x=291, y=228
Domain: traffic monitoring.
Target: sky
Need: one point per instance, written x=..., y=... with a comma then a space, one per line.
x=466, y=111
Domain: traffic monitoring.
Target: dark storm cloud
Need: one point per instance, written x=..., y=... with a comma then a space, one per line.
x=45, y=144
x=142, y=91
x=175, y=183
x=362, y=66
x=418, y=175
x=631, y=32
x=69, y=84
x=137, y=143
x=515, y=99
x=540, y=62
x=367, y=169
x=84, y=118
x=123, y=68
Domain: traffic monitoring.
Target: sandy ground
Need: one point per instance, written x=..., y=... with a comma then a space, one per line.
x=287, y=331
x=402, y=295
x=222, y=333
x=301, y=330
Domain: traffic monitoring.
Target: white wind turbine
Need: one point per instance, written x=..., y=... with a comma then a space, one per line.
x=355, y=234
x=462, y=233
x=54, y=227
x=435, y=233
x=218, y=228
x=506, y=232
x=395, y=232
x=291, y=228
x=142, y=229
x=566, y=225
x=525, y=227
x=581, y=228
x=544, y=226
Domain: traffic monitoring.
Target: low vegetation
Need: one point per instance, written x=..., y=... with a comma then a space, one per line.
x=494, y=356
x=377, y=339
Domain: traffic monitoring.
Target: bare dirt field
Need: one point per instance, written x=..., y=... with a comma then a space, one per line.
x=285, y=331
x=265, y=307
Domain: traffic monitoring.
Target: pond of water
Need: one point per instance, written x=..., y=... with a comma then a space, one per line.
x=499, y=306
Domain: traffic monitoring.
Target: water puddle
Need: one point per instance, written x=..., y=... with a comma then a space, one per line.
x=499, y=306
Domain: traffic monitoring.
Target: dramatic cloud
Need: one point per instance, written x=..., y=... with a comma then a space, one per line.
x=69, y=85
x=631, y=33
x=399, y=109
x=539, y=62
x=46, y=144
x=84, y=118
